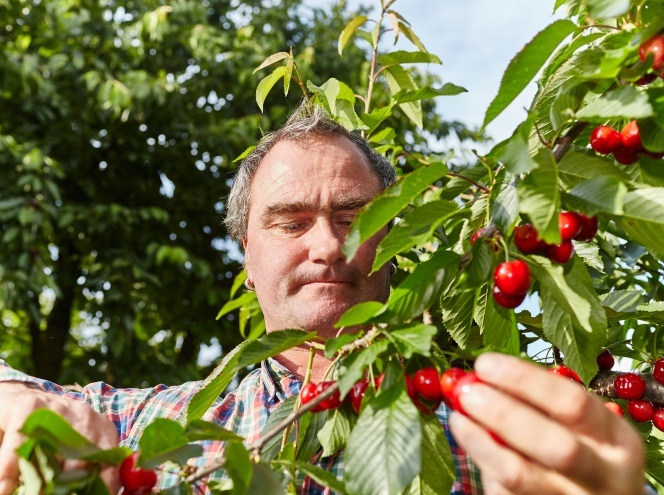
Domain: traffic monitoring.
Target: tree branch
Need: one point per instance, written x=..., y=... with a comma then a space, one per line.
x=563, y=143
x=602, y=385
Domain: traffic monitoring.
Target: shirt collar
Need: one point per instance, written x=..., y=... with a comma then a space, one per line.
x=278, y=379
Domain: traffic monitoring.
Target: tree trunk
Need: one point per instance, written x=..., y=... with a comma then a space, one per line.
x=48, y=346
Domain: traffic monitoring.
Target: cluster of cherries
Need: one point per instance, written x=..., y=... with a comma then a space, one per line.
x=631, y=387
x=135, y=480
x=426, y=389
x=626, y=145
x=511, y=279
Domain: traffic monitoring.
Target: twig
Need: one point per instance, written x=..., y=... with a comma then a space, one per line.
x=563, y=143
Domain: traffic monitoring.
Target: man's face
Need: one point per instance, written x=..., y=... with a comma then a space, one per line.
x=303, y=200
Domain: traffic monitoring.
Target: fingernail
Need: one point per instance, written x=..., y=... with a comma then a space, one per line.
x=489, y=363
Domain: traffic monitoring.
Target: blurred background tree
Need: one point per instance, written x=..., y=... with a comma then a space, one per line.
x=119, y=125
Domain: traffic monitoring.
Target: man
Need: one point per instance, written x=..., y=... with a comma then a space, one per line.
x=292, y=203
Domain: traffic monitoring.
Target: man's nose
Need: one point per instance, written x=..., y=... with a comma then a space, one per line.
x=325, y=243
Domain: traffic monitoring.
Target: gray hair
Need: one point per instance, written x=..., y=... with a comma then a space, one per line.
x=307, y=120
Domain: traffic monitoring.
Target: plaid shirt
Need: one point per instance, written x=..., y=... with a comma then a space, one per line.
x=243, y=411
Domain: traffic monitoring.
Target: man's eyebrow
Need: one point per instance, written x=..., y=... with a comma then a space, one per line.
x=340, y=204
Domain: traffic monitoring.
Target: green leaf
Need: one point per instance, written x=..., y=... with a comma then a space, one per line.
x=414, y=339
x=333, y=345
x=500, y=332
x=353, y=366
x=272, y=344
x=422, y=288
x=271, y=449
x=405, y=29
x=589, y=253
x=438, y=473
x=49, y=426
x=399, y=79
x=335, y=432
x=309, y=444
x=478, y=269
x=376, y=215
x=622, y=301
x=384, y=449
x=359, y=314
x=206, y=430
x=603, y=194
x=457, y=309
x=539, y=196
x=604, y=9
x=163, y=440
x=265, y=481
x=643, y=220
x=347, y=32
x=318, y=474
x=574, y=319
x=239, y=467
x=624, y=102
x=275, y=57
x=504, y=203
x=404, y=57
x=415, y=228
x=425, y=93
x=111, y=456
x=267, y=83
x=213, y=385
x=655, y=459
x=245, y=299
x=577, y=167
x=515, y=155
x=523, y=68
x=244, y=154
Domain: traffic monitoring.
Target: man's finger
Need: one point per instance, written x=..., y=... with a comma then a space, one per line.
x=504, y=469
x=536, y=436
x=564, y=400
x=9, y=471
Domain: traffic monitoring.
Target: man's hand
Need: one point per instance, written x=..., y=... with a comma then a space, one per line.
x=18, y=400
x=560, y=439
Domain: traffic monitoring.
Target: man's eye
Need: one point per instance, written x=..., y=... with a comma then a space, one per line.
x=291, y=227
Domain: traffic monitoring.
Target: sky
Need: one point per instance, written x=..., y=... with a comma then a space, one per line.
x=476, y=39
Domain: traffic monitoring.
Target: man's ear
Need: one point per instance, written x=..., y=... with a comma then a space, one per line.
x=246, y=258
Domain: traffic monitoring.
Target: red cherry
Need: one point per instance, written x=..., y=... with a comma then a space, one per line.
x=560, y=253
x=527, y=239
x=512, y=278
x=379, y=380
x=509, y=302
x=626, y=156
x=605, y=360
x=655, y=47
x=448, y=381
x=308, y=393
x=569, y=225
x=412, y=393
x=605, y=139
x=331, y=402
x=461, y=387
x=658, y=419
x=655, y=155
x=658, y=371
x=426, y=384
x=563, y=370
x=357, y=394
x=477, y=235
x=614, y=408
x=135, y=480
x=631, y=137
x=645, y=79
x=640, y=410
x=588, y=228
x=629, y=386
